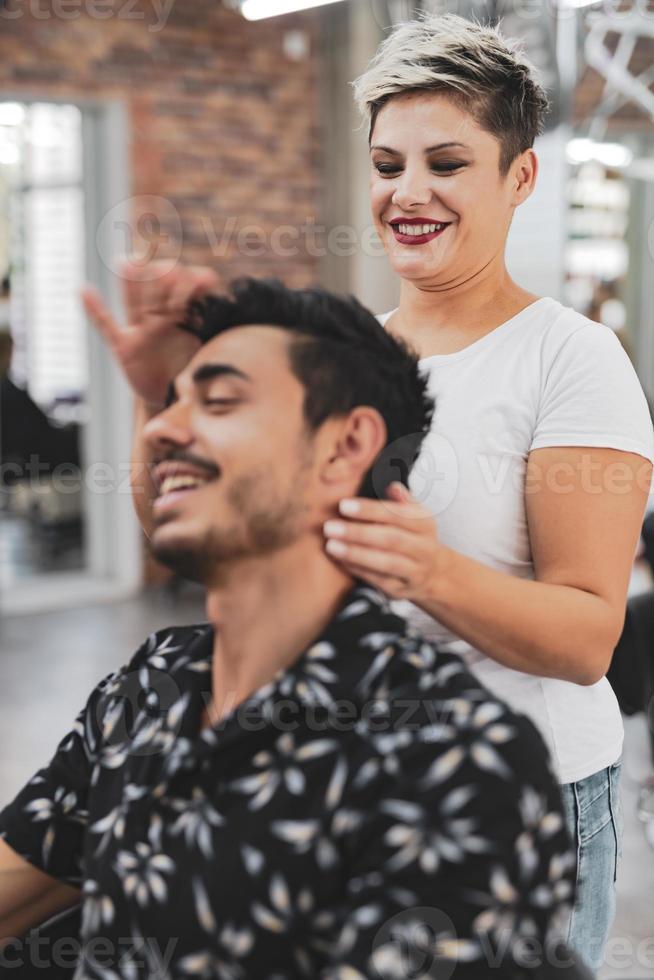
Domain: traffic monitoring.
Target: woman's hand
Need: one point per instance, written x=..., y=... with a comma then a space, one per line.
x=391, y=544
x=151, y=349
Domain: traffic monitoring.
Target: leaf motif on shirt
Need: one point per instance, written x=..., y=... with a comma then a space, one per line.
x=402, y=809
x=344, y=973
x=461, y=950
x=457, y=798
x=176, y=711
x=356, y=608
x=48, y=841
x=445, y=766
x=336, y=784
x=487, y=758
x=267, y=919
x=315, y=749
x=298, y=832
x=499, y=734
x=196, y=964
x=239, y=942
x=379, y=664
x=279, y=894
x=42, y=809
x=321, y=651
x=111, y=716
x=253, y=859
x=367, y=773
x=311, y=691
x=487, y=713
x=203, y=906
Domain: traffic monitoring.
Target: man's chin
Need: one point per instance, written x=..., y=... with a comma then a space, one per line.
x=185, y=557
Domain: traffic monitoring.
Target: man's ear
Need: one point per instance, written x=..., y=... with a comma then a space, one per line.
x=355, y=443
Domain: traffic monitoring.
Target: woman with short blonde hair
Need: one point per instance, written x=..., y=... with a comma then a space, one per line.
x=516, y=544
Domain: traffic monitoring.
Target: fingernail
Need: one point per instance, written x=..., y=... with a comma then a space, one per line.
x=336, y=547
x=335, y=529
x=349, y=507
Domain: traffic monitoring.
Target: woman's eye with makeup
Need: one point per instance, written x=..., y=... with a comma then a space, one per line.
x=387, y=169
x=447, y=167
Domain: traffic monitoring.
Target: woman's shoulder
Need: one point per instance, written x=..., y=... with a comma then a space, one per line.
x=385, y=317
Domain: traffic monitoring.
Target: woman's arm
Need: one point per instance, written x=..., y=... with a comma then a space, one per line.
x=585, y=509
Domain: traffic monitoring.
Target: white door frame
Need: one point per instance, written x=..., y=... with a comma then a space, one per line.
x=114, y=566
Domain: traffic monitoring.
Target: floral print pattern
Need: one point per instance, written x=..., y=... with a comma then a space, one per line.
x=372, y=812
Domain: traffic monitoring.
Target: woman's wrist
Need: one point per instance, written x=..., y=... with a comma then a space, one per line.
x=440, y=578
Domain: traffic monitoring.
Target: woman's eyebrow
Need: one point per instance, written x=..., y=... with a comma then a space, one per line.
x=430, y=149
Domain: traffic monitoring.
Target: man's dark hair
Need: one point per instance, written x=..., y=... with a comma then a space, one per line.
x=342, y=356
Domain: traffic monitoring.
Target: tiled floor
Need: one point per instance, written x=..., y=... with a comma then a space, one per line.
x=50, y=663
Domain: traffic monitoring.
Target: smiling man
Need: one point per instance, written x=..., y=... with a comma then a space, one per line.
x=300, y=786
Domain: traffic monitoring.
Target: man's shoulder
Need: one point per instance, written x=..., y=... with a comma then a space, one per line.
x=165, y=650
x=438, y=709
x=164, y=647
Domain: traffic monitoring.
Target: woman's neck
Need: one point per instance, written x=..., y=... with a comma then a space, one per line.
x=443, y=320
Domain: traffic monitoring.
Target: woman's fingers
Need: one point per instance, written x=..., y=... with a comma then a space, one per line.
x=99, y=315
x=195, y=282
x=406, y=513
x=382, y=536
x=372, y=559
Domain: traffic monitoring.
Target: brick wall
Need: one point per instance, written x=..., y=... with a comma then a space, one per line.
x=225, y=128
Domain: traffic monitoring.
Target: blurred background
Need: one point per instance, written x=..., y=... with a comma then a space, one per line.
x=222, y=132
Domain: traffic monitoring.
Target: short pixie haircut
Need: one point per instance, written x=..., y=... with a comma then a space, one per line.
x=480, y=70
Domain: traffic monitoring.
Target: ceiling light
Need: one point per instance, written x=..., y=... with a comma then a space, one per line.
x=260, y=9
x=610, y=154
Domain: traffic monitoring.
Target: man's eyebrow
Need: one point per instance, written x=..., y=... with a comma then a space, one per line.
x=206, y=372
x=430, y=149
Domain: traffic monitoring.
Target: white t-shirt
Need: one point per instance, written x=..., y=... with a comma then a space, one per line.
x=547, y=377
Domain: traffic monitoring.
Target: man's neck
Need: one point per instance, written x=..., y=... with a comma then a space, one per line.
x=265, y=614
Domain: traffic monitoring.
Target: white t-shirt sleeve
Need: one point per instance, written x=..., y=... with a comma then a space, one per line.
x=591, y=396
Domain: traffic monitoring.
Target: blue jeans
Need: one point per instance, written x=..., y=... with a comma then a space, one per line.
x=594, y=817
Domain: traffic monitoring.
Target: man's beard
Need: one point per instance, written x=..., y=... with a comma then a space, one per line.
x=265, y=524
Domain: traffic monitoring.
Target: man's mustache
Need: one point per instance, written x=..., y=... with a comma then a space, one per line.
x=179, y=456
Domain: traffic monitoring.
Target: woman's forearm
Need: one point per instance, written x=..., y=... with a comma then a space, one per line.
x=535, y=627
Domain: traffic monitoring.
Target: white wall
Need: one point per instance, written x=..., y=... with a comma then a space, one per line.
x=536, y=246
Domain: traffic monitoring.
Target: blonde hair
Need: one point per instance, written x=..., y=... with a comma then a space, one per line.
x=474, y=65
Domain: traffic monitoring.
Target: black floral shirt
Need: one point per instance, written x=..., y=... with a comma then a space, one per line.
x=372, y=812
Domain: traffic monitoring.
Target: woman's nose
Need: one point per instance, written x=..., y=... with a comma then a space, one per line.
x=412, y=189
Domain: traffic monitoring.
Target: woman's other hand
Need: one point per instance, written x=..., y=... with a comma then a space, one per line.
x=150, y=348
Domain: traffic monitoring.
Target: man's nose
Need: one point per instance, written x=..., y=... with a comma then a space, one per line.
x=170, y=427
x=412, y=189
